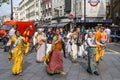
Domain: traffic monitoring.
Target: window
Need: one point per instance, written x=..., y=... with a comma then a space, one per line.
x=60, y=13
x=55, y=1
x=80, y=6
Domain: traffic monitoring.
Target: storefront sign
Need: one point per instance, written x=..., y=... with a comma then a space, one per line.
x=94, y=2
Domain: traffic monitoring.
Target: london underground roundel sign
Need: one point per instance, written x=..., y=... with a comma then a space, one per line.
x=71, y=16
x=93, y=2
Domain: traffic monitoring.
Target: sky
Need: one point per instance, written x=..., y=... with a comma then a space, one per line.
x=5, y=9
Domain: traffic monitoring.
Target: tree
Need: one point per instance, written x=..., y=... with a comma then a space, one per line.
x=4, y=1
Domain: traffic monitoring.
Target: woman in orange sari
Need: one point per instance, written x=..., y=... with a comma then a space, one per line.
x=55, y=66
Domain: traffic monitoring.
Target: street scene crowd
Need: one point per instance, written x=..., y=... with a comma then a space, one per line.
x=75, y=43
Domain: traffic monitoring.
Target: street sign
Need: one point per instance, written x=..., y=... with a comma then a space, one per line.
x=71, y=17
x=94, y=3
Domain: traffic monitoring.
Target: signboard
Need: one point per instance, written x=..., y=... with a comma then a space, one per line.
x=96, y=8
x=71, y=17
x=94, y=2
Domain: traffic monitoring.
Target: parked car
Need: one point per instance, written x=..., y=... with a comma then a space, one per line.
x=115, y=33
x=4, y=30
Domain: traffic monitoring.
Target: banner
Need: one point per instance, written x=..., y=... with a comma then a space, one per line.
x=96, y=8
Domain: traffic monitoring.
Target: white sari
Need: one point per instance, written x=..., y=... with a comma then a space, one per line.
x=41, y=48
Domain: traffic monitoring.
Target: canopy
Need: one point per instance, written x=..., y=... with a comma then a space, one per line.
x=21, y=25
x=62, y=24
x=53, y=25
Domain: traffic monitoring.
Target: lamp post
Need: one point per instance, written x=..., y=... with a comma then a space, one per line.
x=57, y=15
x=7, y=1
x=11, y=10
x=84, y=13
x=75, y=14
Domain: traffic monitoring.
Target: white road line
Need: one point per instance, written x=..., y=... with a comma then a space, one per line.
x=114, y=51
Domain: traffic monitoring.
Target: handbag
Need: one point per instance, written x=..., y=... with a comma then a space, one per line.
x=78, y=42
x=10, y=56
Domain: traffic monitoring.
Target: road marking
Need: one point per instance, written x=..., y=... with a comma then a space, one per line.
x=114, y=51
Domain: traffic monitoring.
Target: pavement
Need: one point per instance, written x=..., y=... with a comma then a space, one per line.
x=109, y=69
x=114, y=46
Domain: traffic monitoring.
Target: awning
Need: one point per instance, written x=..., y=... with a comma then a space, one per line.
x=62, y=24
x=45, y=25
x=97, y=21
x=53, y=25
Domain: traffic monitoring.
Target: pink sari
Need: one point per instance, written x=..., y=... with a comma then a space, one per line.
x=56, y=62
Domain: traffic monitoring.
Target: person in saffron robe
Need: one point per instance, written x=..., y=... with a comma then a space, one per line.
x=97, y=37
x=103, y=40
x=56, y=62
x=27, y=36
x=17, y=53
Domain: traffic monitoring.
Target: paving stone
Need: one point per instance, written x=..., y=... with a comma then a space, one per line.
x=109, y=69
x=74, y=72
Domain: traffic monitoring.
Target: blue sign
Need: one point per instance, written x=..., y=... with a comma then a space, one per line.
x=96, y=21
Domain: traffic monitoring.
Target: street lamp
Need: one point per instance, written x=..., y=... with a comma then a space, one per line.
x=11, y=10
x=75, y=13
x=84, y=13
x=57, y=17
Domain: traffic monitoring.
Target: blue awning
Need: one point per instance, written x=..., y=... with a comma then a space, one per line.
x=97, y=21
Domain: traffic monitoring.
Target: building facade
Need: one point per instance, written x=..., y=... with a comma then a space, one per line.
x=55, y=11
x=16, y=13
x=46, y=6
x=115, y=11
x=89, y=10
x=30, y=10
x=6, y=17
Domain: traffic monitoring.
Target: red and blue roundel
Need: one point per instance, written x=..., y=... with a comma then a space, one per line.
x=94, y=2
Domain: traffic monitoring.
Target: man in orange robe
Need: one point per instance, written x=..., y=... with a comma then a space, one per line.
x=103, y=40
x=97, y=37
x=27, y=36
